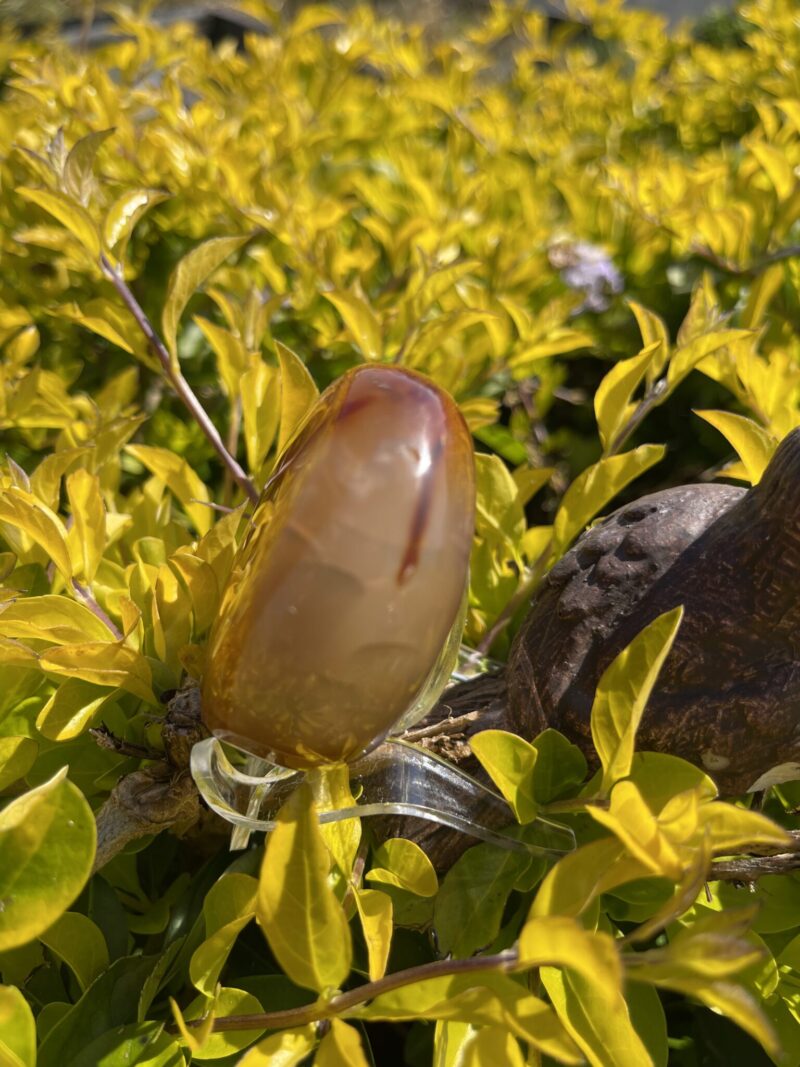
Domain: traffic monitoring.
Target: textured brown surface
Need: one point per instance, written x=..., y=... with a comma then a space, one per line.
x=728, y=697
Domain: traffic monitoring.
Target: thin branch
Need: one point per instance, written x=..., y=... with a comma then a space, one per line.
x=750, y=868
x=177, y=380
x=85, y=596
x=311, y=1013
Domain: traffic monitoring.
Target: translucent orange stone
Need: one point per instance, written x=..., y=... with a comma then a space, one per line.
x=350, y=578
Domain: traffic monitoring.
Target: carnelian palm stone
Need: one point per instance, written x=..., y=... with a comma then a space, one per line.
x=350, y=577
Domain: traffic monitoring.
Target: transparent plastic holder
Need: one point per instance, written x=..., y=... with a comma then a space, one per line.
x=396, y=778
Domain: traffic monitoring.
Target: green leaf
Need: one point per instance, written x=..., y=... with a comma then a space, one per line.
x=47, y=844
x=649, y=1021
x=180, y=479
x=109, y=1002
x=227, y=909
x=298, y=393
x=17, y=756
x=79, y=166
x=80, y=944
x=186, y=279
x=341, y=1047
x=560, y=766
x=623, y=692
x=301, y=918
x=17, y=1030
x=582, y=876
x=360, y=320
x=375, y=912
x=595, y=487
x=288, y=1048
x=125, y=212
x=401, y=862
x=469, y=907
x=69, y=213
x=612, y=401
x=753, y=444
x=500, y=517
x=510, y=762
x=144, y=1044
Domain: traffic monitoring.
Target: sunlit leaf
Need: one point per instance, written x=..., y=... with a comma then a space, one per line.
x=69, y=213
x=298, y=393
x=17, y=1029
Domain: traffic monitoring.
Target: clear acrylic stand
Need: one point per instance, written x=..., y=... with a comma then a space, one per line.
x=397, y=778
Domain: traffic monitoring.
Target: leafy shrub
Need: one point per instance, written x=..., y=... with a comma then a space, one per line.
x=581, y=231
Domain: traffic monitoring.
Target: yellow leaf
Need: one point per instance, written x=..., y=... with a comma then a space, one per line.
x=17, y=1029
x=360, y=320
x=623, y=692
x=302, y=920
x=732, y=827
x=562, y=942
x=630, y=819
x=24, y=512
x=341, y=1047
x=52, y=618
x=181, y=480
x=612, y=406
x=79, y=165
x=287, y=1048
x=260, y=394
x=298, y=393
x=776, y=166
x=753, y=444
x=87, y=537
x=375, y=912
x=510, y=762
x=687, y=357
x=69, y=213
x=125, y=212
x=595, y=487
x=112, y=665
x=186, y=279
x=582, y=876
x=492, y=1046
x=228, y=907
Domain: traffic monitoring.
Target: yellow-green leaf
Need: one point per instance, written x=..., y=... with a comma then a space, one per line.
x=776, y=165
x=228, y=907
x=77, y=941
x=402, y=863
x=287, y=1048
x=261, y=411
x=47, y=844
x=612, y=401
x=125, y=212
x=57, y=619
x=17, y=756
x=69, y=213
x=301, y=918
x=71, y=709
x=17, y=1029
x=79, y=165
x=510, y=762
x=595, y=487
x=630, y=819
x=753, y=444
x=112, y=665
x=186, y=279
x=623, y=692
x=180, y=479
x=298, y=393
x=341, y=1047
x=360, y=320
x=375, y=911
x=24, y=512
x=492, y=1046
x=87, y=536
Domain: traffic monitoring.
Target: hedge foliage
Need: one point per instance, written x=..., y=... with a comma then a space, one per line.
x=583, y=230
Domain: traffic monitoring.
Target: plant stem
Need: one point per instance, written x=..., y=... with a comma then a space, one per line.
x=310, y=1013
x=177, y=381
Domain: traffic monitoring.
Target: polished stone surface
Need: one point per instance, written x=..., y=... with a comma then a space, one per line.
x=351, y=575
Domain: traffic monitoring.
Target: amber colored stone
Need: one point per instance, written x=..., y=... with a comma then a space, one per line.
x=351, y=575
